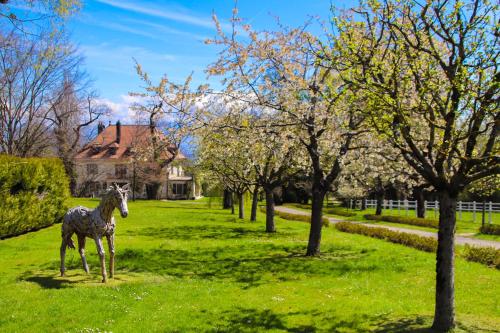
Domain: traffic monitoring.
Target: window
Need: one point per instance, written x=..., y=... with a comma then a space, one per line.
x=91, y=169
x=179, y=189
x=120, y=171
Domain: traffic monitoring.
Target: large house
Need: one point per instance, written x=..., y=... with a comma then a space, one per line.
x=112, y=157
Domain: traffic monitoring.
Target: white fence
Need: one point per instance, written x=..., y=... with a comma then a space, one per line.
x=403, y=206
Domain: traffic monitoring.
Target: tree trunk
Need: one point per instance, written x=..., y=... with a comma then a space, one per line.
x=226, y=202
x=231, y=196
x=313, y=247
x=363, y=204
x=444, y=315
x=255, y=197
x=418, y=193
x=241, y=205
x=69, y=166
x=270, y=227
x=380, y=200
x=134, y=183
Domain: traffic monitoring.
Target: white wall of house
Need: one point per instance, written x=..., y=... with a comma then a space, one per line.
x=103, y=173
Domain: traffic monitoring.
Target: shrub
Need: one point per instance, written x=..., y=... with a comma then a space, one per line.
x=427, y=244
x=33, y=192
x=490, y=229
x=484, y=255
x=404, y=220
x=296, y=217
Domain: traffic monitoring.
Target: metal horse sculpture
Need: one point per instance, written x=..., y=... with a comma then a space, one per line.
x=95, y=223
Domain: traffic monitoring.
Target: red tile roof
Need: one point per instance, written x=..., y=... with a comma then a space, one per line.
x=105, y=145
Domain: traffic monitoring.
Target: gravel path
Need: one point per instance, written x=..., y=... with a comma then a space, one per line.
x=460, y=240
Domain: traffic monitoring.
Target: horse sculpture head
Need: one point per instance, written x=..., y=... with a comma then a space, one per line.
x=118, y=197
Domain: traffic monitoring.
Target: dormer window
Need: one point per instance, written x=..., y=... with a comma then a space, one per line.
x=96, y=148
x=114, y=147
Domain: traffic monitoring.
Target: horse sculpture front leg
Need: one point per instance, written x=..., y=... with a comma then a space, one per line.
x=100, y=251
x=111, y=246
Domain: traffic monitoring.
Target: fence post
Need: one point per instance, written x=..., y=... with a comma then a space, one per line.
x=490, y=208
x=399, y=207
x=406, y=206
x=460, y=210
x=436, y=203
x=390, y=206
x=473, y=211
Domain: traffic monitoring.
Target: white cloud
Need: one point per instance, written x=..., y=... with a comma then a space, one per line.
x=163, y=29
x=165, y=13
x=119, y=59
x=121, y=109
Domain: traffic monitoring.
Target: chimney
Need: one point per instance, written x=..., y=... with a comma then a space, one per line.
x=100, y=127
x=118, y=131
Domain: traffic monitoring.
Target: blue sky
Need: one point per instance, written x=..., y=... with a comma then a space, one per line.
x=166, y=37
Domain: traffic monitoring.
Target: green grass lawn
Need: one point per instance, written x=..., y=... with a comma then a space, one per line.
x=182, y=267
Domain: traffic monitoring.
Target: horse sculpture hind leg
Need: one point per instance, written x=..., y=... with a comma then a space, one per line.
x=65, y=243
x=63, y=255
x=81, y=249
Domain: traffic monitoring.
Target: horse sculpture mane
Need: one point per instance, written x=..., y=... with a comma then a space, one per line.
x=94, y=223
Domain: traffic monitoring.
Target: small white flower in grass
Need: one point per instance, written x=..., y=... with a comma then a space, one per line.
x=278, y=298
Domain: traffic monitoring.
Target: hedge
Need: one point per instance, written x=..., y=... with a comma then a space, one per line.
x=33, y=193
x=404, y=220
x=484, y=255
x=296, y=217
x=490, y=229
x=427, y=244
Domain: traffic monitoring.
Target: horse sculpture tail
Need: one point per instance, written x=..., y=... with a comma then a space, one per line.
x=69, y=243
x=66, y=236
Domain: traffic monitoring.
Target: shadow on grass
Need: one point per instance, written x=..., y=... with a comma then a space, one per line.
x=187, y=207
x=247, y=265
x=250, y=266
x=47, y=281
x=253, y=320
x=215, y=232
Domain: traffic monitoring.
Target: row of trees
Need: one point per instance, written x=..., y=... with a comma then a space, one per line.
x=397, y=92
x=45, y=95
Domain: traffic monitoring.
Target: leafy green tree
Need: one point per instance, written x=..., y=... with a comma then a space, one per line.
x=429, y=72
